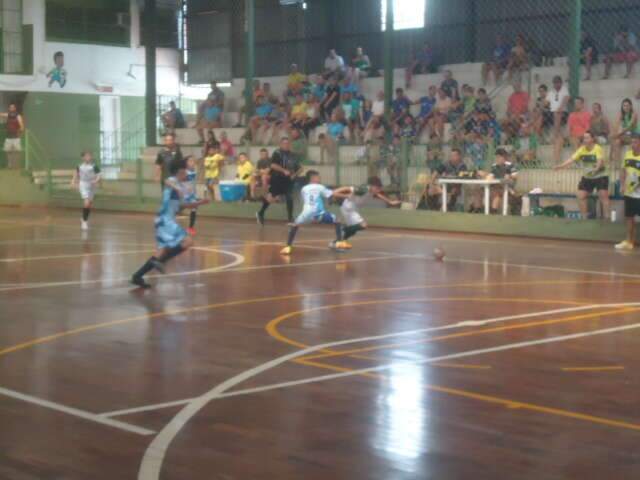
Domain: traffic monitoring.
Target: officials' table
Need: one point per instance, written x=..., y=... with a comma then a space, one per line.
x=486, y=183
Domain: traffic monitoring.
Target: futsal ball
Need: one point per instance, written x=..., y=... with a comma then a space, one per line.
x=438, y=254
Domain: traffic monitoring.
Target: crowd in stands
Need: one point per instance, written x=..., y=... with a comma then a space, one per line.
x=330, y=109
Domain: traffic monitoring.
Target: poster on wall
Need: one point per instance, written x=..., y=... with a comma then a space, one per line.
x=58, y=74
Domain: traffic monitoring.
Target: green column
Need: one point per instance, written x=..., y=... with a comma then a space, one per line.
x=250, y=41
x=150, y=17
x=388, y=60
x=574, y=48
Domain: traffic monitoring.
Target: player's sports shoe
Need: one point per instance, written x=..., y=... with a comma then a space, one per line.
x=139, y=282
x=346, y=245
x=337, y=246
x=342, y=245
x=260, y=219
x=158, y=265
x=624, y=245
x=191, y=231
x=286, y=251
x=84, y=225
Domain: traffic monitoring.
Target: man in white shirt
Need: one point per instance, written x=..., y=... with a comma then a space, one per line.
x=377, y=107
x=558, y=100
x=333, y=64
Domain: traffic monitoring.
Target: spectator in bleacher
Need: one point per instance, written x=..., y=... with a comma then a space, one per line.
x=441, y=113
x=261, y=121
x=590, y=156
x=390, y=156
x=166, y=156
x=361, y=65
x=625, y=50
x=504, y=171
x=399, y=106
x=377, y=107
x=579, y=122
x=519, y=59
x=349, y=87
x=450, y=86
x=450, y=169
x=296, y=81
x=352, y=107
x=211, y=139
x=299, y=112
x=209, y=116
x=331, y=98
x=427, y=104
x=407, y=129
x=366, y=113
x=313, y=119
x=558, y=100
x=269, y=96
x=280, y=122
x=600, y=126
x=542, y=116
x=421, y=62
x=498, y=62
x=517, y=111
x=375, y=130
x=256, y=92
x=334, y=65
x=588, y=53
x=173, y=118
x=217, y=95
x=299, y=145
x=525, y=145
x=245, y=174
x=319, y=89
x=468, y=99
x=476, y=149
x=626, y=126
x=226, y=146
x=213, y=164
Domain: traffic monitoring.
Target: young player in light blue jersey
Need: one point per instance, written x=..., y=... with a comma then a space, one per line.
x=171, y=238
x=314, y=210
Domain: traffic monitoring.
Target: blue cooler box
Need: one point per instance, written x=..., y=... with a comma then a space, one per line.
x=232, y=191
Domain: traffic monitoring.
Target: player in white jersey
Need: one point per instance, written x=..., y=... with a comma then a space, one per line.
x=86, y=178
x=314, y=209
x=353, y=221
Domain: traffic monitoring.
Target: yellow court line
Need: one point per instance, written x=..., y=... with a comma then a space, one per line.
x=505, y=402
x=591, y=369
x=151, y=316
x=472, y=333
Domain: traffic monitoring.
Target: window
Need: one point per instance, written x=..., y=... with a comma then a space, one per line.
x=101, y=22
x=406, y=14
x=167, y=35
x=11, y=60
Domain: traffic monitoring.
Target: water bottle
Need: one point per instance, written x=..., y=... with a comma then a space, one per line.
x=526, y=206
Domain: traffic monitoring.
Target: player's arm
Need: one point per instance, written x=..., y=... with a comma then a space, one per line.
x=343, y=192
x=566, y=163
x=195, y=204
x=74, y=179
x=387, y=200
x=98, y=173
x=600, y=162
x=158, y=170
x=21, y=123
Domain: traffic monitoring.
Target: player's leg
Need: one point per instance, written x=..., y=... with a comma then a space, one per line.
x=302, y=219
x=583, y=194
x=267, y=200
x=630, y=211
x=603, y=195
x=288, y=197
x=192, y=221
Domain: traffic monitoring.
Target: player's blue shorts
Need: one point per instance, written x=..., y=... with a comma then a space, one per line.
x=315, y=217
x=169, y=233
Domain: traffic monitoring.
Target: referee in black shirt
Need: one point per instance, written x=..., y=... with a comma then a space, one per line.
x=169, y=153
x=285, y=167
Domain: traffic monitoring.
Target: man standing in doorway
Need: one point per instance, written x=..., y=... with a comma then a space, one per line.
x=13, y=142
x=169, y=153
x=285, y=167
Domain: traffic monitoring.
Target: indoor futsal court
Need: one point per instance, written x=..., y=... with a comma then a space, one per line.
x=502, y=361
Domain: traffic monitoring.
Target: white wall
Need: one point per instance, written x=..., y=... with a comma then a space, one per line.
x=90, y=65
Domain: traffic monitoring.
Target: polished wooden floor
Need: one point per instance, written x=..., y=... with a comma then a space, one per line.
x=513, y=359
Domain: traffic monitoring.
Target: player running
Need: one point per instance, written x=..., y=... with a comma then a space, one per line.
x=171, y=238
x=314, y=196
x=353, y=221
x=86, y=179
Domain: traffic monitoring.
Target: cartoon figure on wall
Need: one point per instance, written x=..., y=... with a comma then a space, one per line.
x=58, y=73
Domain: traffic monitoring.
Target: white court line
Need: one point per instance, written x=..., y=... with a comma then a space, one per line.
x=153, y=459
x=77, y=255
x=75, y=412
x=463, y=324
x=227, y=268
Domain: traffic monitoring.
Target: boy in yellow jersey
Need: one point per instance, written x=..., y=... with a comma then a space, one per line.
x=212, y=164
x=596, y=177
x=630, y=181
x=245, y=173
